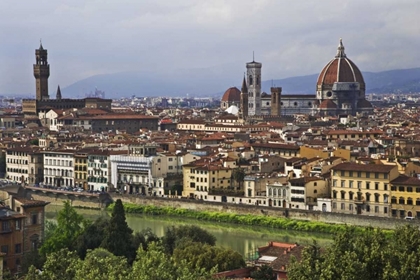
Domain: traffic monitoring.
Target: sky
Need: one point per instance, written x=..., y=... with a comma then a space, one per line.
x=291, y=38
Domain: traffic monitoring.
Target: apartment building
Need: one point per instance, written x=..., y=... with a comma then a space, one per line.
x=305, y=191
x=81, y=169
x=24, y=165
x=59, y=168
x=362, y=189
x=405, y=197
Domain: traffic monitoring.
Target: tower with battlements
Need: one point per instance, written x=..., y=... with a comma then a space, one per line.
x=41, y=73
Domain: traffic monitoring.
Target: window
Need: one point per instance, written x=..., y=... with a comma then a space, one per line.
x=18, y=224
x=343, y=195
x=334, y=183
x=359, y=174
x=376, y=197
x=351, y=207
x=385, y=175
x=401, y=200
x=367, y=208
x=376, y=186
x=367, y=185
x=335, y=194
x=351, y=184
x=4, y=249
x=409, y=189
x=343, y=183
x=367, y=174
x=18, y=248
x=5, y=226
x=376, y=175
x=343, y=173
x=385, y=210
x=350, y=195
x=351, y=174
x=385, y=187
x=359, y=185
x=401, y=189
x=343, y=206
x=376, y=209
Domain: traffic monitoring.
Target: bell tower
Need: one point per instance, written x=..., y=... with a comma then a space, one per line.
x=254, y=87
x=41, y=73
x=275, y=101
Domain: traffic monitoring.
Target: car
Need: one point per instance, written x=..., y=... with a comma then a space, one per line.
x=409, y=218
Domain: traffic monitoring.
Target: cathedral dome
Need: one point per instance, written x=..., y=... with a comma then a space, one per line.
x=340, y=69
x=232, y=95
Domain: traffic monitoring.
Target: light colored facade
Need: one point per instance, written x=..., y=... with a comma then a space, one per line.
x=81, y=170
x=362, y=189
x=405, y=197
x=59, y=168
x=17, y=167
x=278, y=195
x=304, y=192
x=99, y=170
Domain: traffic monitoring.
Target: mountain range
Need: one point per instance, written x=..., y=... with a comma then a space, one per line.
x=214, y=81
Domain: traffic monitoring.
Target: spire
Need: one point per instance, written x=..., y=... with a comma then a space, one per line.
x=253, y=56
x=40, y=44
x=58, y=96
x=340, y=50
x=244, y=88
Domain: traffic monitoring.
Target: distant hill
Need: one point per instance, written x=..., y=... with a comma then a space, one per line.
x=214, y=81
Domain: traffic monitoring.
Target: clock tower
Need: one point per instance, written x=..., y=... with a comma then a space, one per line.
x=41, y=73
x=253, y=71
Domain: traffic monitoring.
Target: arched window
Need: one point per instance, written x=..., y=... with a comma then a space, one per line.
x=401, y=200
x=250, y=79
x=393, y=200
x=284, y=192
x=409, y=201
x=270, y=192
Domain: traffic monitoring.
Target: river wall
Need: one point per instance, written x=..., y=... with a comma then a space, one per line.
x=99, y=202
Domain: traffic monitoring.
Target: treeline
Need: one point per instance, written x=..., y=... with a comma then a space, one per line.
x=76, y=248
x=366, y=255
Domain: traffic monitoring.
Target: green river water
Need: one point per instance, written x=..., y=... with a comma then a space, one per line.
x=244, y=239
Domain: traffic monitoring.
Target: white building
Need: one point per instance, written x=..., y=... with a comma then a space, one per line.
x=17, y=168
x=278, y=195
x=59, y=168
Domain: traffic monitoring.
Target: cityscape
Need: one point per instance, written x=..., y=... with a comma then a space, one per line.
x=341, y=159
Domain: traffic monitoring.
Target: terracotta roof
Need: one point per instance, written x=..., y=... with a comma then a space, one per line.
x=340, y=69
x=232, y=94
x=347, y=166
x=405, y=180
x=31, y=203
x=327, y=104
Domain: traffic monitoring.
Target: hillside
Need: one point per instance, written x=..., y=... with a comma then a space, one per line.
x=208, y=82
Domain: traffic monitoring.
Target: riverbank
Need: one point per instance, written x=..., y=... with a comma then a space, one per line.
x=249, y=219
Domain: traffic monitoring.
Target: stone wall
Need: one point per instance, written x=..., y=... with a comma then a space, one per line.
x=241, y=209
x=97, y=202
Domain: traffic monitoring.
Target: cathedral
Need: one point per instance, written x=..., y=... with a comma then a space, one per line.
x=340, y=89
x=43, y=101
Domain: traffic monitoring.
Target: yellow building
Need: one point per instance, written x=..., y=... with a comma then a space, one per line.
x=80, y=170
x=203, y=175
x=362, y=189
x=405, y=197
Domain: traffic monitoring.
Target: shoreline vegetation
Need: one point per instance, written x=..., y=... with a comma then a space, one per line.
x=249, y=220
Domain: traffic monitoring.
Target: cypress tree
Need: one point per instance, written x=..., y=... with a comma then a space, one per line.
x=118, y=235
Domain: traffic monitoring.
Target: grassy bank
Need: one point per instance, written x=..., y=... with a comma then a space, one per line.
x=252, y=220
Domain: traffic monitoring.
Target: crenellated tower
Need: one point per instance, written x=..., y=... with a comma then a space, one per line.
x=276, y=101
x=41, y=73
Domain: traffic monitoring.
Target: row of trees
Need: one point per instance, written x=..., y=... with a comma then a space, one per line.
x=371, y=254
x=76, y=248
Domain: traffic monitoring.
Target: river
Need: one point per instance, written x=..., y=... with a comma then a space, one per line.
x=244, y=239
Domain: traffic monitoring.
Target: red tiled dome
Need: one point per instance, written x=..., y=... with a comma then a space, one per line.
x=232, y=94
x=340, y=69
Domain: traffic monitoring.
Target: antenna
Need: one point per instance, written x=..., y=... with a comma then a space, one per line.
x=253, y=57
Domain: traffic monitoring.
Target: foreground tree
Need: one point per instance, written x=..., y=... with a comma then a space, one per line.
x=155, y=264
x=118, y=235
x=173, y=235
x=70, y=225
x=92, y=237
x=362, y=256
x=264, y=272
x=201, y=255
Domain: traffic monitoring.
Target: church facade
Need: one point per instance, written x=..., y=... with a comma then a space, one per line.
x=43, y=101
x=340, y=89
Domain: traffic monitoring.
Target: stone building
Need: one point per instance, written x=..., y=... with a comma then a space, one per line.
x=43, y=101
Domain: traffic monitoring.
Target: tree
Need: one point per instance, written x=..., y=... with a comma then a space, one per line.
x=238, y=174
x=186, y=232
x=92, y=237
x=60, y=265
x=118, y=235
x=100, y=264
x=155, y=264
x=362, y=256
x=200, y=255
x=70, y=225
x=264, y=272
x=144, y=238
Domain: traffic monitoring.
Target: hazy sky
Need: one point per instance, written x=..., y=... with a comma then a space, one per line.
x=294, y=37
